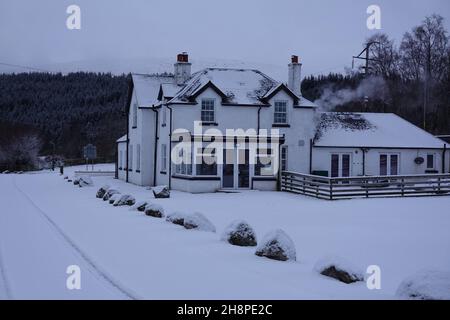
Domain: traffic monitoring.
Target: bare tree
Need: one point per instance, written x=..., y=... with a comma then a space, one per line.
x=384, y=55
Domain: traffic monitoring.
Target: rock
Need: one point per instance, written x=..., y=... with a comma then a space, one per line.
x=66, y=177
x=161, y=192
x=102, y=191
x=199, y=222
x=85, y=181
x=277, y=245
x=109, y=193
x=69, y=180
x=426, y=285
x=239, y=233
x=76, y=182
x=176, y=218
x=339, y=269
x=154, y=210
x=124, y=200
x=114, y=198
x=139, y=206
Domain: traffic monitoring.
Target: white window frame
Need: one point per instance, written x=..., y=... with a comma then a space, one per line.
x=284, y=158
x=213, y=111
x=138, y=157
x=278, y=112
x=163, y=157
x=135, y=108
x=183, y=169
x=130, y=160
x=340, y=164
x=434, y=161
x=388, y=164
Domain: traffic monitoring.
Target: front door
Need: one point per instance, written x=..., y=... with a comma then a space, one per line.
x=236, y=169
x=228, y=169
x=244, y=169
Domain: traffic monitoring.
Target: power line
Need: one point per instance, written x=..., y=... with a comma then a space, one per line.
x=24, y=67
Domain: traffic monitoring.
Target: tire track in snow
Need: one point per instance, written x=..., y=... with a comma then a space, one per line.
x=82, y=255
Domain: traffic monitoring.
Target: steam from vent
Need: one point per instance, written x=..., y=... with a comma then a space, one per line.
x=372, y=87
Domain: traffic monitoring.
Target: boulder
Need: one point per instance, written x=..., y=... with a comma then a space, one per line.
x=176, y=218
x=66, y=177
x=85, y=181
x=154, y=210
x=69, y=180
x=339, y=269
x=199, y=222
x=114, y=198
x=102, y=191
x=124, y=200
x=426, y=285
x=240, y=233
x=161, y=192
x=109, y=193
x=76, y=181
x=140, y=206
x=277, y=245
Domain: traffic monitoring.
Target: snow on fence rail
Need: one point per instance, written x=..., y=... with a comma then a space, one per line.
x=365, y=187
x=94, y=173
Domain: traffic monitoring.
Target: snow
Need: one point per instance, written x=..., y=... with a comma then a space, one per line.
x=426, y=285
x=372, y=130
x=122, y=139
x=138, y=204
x=340, y=264
x=114, y=198
x=199, y=222
x=123, y=200
x=158, y=189
x=176, y=216
x=146, y=88
x=237, y=225
x=278, y=238
x=141, y=255
x=155, y=207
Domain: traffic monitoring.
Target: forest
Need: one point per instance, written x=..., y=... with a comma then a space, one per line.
x=58, y=114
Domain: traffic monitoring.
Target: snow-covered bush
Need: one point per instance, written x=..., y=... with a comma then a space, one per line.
x=240, y=233
x=277, y=245
x=426, y=285
x=198, y=221
x=139, y=206
x=124, y=200
x=114, y=198
x=339, y=269
x=161, y=192
x=85, y=181
x=76, y=181
x=176, y=217
x=109, y=193
x=102, y=191
x=154, y=210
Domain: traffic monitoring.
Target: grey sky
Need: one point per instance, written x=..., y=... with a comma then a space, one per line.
x=324, y=33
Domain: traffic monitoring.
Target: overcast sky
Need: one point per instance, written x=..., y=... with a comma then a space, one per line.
x=324, y=33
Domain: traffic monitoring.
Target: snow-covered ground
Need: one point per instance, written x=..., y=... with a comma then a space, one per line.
x=47, y=224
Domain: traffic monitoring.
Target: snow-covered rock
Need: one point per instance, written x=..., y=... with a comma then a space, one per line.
x=6, y=172
x=176, y=217
x=277, y=245
x=240, y=233
x=426, y=285
x=114, y=198
x=66, y=177
x=102, y=191
x=109, y=193
x=85, y=181
x=124, y=200
x=339, y=269
x=198, y=221
x=161, y=192
x=139, y=206
x=76, y=181
x=154, y=210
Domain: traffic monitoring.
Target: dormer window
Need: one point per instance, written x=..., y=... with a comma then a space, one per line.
x=280, y=115
x=208, y=111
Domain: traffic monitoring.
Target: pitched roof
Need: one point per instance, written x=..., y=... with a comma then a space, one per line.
x=122, y=139
x=240, y=86
x=146, y=87
x=337, y=129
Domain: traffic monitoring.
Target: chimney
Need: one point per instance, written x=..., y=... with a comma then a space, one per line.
x=182, y=68
x=295, y=75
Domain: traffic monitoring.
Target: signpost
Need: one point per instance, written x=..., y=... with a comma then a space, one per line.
x=90, y=153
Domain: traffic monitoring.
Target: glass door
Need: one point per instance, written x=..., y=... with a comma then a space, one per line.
x=243, y=168
x=228, y=168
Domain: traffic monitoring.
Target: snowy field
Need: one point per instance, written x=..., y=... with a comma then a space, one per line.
x=47, y=224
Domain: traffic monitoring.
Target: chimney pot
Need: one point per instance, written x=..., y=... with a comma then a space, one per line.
x=294, y=59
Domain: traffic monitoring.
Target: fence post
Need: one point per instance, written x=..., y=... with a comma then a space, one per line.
x=304, y=188
x=403, y=187
x=439, y=185
x=331, y=189
x=366, y=185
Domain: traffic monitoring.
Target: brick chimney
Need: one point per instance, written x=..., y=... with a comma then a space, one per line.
x=295, y=75
x=182, y=68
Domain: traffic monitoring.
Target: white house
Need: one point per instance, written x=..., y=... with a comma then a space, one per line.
x=222, y=128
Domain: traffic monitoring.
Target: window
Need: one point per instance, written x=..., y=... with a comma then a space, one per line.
x=430, y=161
x=206, y=162
x=280, y=116
x=184, y=162
x=135, y=107
x=284, y=158
x=163, y=157
x=138, y=157
x=130, y=158
x=208, y=110
x=340, y=165
x=389, y=164
x=263, y=166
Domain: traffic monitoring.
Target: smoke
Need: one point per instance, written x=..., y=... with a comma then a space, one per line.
x=373, y=87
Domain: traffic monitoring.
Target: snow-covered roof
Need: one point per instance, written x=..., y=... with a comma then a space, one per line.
x=240, y=86
x=146, y=87
x=382, y=130
x=122, y=139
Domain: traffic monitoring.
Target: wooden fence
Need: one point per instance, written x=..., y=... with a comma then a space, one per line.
x=365, y=187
